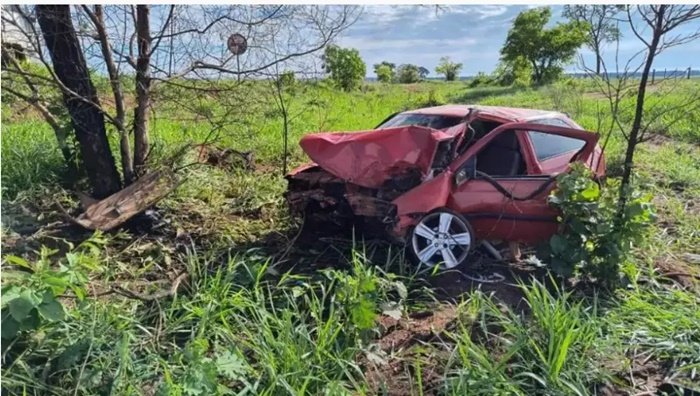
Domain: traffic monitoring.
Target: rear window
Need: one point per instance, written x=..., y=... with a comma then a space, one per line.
x=548, y=145
x=426, y=120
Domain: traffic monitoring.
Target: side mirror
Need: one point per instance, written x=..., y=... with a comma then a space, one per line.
x=466, y=172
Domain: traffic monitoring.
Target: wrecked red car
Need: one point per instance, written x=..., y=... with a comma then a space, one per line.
x=441, y=179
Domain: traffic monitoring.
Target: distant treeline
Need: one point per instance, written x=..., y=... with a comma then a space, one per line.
x=660, y=73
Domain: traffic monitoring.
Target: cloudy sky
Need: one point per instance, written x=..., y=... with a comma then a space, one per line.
x=470, y=34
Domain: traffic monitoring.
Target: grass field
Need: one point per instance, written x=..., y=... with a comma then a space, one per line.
x=259, y=312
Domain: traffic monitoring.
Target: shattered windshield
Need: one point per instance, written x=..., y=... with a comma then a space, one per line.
x=425, y=120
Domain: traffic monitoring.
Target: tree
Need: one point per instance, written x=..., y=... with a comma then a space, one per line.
x=657, y=27
x=408, y=74
x=546, y=49
x=663, y=22
x=165, y=50
x=601, y=23
x=384, y=73
x=423, y=72
x=143, y=88
x=80, y=97
x=448, y=68
x=345, y=66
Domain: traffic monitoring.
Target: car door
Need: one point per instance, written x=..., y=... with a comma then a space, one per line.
x=508, y=201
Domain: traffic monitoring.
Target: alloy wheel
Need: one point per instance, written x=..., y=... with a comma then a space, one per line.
x=441, y=238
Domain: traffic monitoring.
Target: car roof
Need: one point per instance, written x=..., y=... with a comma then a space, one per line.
x=508, y=113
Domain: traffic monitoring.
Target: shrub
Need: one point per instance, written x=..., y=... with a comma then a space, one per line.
x=31, y=291
x=590, y=244
x=481, y=79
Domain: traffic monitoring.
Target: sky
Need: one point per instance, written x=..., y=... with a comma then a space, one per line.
x=472, y=35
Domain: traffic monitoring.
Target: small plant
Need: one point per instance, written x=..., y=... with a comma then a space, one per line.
x=30, y=293
x=591, y=244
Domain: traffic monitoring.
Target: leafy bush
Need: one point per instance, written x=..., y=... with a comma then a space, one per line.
x=30, y=293
x=591, y=244
x=481, y=79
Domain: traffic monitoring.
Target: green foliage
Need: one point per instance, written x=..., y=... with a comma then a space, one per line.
x=345, y=66
x=408, y=74
x=591, y=245
x=517, y=73
x=385, y=71
x=480, y=80
x=423, y=72
x=448, y=68
x=545, y=49
x=433, y=98
x=384, y=74
x=30, y=290
x=288, y=80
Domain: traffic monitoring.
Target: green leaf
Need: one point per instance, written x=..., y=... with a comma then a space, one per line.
x=52, y=310
x=31, y=322
x=230, y=365
x=72, y=355
x=562, y=268
x=559, y=244
x=58, y=284
x=9, y=293
x=10, y=326
x=591, y=193
x=22, y=305
x=363, y=314
x=19, y=261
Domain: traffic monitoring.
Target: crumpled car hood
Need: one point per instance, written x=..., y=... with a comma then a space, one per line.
x=370, y=158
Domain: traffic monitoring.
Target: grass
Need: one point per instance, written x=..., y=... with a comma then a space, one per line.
x=258, y=314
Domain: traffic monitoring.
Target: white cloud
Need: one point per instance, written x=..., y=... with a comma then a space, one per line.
x=482, y=11
x=381, y=15
x=489, y=11
x=417, y=45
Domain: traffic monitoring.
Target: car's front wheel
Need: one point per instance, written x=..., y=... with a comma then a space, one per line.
x=443, y=238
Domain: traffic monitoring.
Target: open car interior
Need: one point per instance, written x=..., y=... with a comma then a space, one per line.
x=502, y=157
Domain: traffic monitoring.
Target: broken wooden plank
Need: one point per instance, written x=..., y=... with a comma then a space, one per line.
x=121, y=206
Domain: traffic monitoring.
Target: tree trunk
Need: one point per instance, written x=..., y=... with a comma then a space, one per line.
x=119, y=119
x=83, y=106
x=143, y=89
x=598, y=61
x=638, y=115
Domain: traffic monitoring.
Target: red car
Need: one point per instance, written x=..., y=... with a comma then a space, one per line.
x=442, y=178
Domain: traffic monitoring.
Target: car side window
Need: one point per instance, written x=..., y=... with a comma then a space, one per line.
x=502, y=157
x=548, y=145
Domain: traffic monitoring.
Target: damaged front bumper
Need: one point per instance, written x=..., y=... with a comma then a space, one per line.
x=316, y=193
